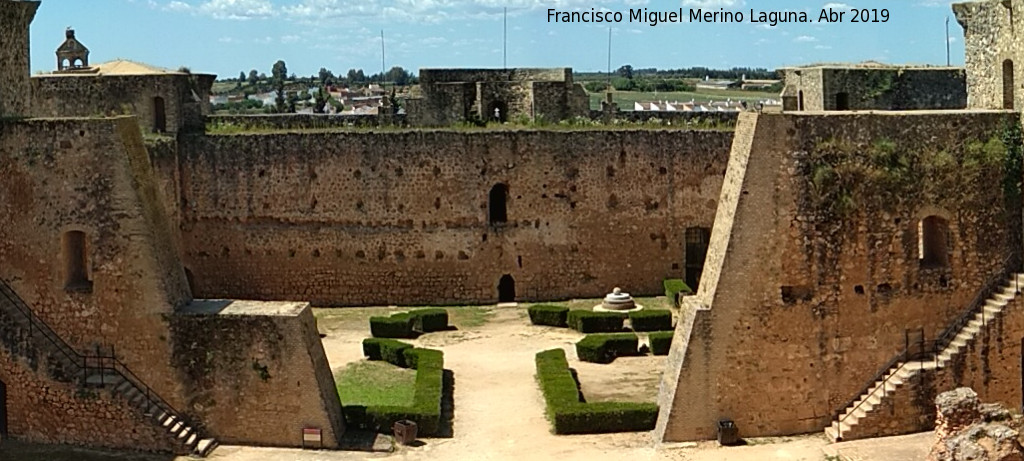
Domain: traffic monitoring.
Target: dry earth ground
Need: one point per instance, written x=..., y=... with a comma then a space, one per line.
x=499, y=411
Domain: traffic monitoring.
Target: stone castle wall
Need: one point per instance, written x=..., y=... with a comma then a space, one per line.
x=256, y=373
x=15, y=92
x=804, y=309
x=72, y=95
x=989, y=43
x=889, y=88
x=402, y=217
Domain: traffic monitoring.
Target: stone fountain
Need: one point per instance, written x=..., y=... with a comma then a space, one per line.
x=617, y=301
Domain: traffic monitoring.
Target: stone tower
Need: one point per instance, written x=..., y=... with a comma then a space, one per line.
x=15, y=87
x=72, y=54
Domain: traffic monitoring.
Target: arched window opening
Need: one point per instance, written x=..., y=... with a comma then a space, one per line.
x=1008, y=89
x=76, y=262
x=933, y=242
x=159, y=115
x=497, y=112
x=507, y=289
x=498, y=205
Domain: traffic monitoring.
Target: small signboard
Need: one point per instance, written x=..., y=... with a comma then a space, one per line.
x=312, y=437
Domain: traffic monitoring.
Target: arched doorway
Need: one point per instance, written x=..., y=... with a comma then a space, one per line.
x=1008, y=84
x=507, y=289
x=843, y=101
x=497, y=112
x=3, y=410
x=800, y=100
x=159, y=115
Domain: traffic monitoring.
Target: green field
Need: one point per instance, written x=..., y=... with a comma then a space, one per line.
x=376, y=383
x=625, y=99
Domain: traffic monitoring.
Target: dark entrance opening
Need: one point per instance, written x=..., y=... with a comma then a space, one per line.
x=498, y=205
x=800, y=102
x=3, y=410
x=842, y=101
x=697, y=239
x=933, y=242
x=191, y=281
x=159, y=115
x=507, y=289
x=497, y=112
x=1008, y=84
x=76, y=262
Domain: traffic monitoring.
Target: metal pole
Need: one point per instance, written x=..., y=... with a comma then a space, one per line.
x=504, y=38
x=948, y=62
x=383, y=66
x=609, y=58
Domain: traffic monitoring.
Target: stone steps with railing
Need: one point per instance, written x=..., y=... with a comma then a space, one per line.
x=25, y=335
x=850, y=425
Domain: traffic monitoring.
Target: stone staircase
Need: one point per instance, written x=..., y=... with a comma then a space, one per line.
x=855, y=421
x=25, y=335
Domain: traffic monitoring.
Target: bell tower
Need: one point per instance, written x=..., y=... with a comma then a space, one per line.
x=15, y=86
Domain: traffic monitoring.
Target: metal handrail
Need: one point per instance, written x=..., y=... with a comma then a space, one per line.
x=890, y=369
x=986, y=292
x=41, y=326
x=83, y=361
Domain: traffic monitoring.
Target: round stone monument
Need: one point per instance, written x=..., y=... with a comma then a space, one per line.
x=617, y=301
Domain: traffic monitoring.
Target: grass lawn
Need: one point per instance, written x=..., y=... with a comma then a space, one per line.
x=625, y=99
x=375, y=383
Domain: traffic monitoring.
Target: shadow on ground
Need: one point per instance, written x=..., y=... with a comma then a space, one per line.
x=14, y=450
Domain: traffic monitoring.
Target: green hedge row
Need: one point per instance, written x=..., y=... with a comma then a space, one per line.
x=396, y=326
x=595, y=322
x=388, y=350
x=409, y=324
x=661, y=342
x=605, y=348
x=570, y=416
x=672, y=289
x=549, y=315
x=426, y=407
x=651, y=320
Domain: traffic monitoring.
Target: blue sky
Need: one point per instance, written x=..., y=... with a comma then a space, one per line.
x=228, y=36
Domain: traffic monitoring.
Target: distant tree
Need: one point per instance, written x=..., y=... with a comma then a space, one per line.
x=280, y=100
x=280, y=71
x=356, y=76
x=320, y=101
x=626, y=72
x=325, y=76
x=398, y=76
x=254, y=77
x=241, y=77
x=262, y=76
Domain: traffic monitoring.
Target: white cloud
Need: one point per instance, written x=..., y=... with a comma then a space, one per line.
x=805, y=39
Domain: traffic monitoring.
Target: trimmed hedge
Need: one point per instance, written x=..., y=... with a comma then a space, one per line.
x=605, y=348
x=651, y=320
x=430, y=320
x=661, y=342
x=549, y=315
x=396, y=326
x=389, y=350
x=595, y=322
x=672, y=289
x=426, y=407
x=570, y=416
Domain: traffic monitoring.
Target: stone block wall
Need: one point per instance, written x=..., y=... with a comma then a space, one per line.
x=990, y=42
x=402, y=217
x=885, y=88
x=15, y=91
x=256, y=373
x=91, y=176
x=73, y=95
x=797, y=309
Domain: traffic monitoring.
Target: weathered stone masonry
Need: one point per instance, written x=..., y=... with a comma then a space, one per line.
x=798, y=310
x=379, y=218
